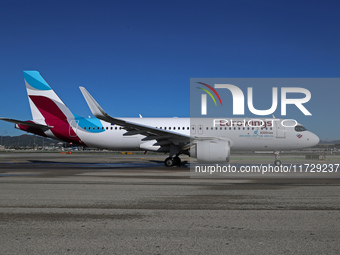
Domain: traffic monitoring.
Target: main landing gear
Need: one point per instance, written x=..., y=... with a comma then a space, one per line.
x=277, y=162
x=172, y=161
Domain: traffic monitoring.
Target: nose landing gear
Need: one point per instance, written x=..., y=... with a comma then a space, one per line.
x=277, y=162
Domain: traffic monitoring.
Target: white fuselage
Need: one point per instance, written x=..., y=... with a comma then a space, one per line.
x=241, y=137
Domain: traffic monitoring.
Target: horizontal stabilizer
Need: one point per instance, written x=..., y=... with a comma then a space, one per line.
x=27, y=123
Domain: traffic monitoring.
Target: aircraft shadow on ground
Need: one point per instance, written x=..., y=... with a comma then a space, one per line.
x=149, y=163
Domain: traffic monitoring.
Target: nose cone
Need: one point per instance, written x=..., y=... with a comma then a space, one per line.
x=313, y=139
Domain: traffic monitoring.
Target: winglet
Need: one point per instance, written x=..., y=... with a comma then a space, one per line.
x=145, y=130
x=95, y=108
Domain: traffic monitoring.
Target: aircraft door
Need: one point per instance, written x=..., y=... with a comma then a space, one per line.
x=200, y=129
x=73, y=128
x=193, y=129
x=280, y=130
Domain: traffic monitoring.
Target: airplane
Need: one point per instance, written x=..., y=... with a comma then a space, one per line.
x=206, y=139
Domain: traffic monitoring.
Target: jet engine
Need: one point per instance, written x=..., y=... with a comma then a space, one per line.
x=214, y=151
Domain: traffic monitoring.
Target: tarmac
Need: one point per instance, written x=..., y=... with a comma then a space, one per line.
x=111, y=203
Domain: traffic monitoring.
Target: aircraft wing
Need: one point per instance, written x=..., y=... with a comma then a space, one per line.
x=27, y=123
x=135, y=128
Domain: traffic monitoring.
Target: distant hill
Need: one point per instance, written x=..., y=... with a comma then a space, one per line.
x=26, y=141
x=330, y=142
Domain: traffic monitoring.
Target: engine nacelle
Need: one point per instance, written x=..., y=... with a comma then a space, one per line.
x=214, y=151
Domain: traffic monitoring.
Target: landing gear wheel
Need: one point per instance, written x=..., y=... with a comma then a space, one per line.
x=277, y=163
x=177, y=161
x=172, y=161
x=169, y=162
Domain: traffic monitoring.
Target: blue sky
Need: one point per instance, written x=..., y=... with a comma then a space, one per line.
x=137, y=57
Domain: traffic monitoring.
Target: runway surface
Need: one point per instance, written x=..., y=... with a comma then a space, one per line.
x=98, y=203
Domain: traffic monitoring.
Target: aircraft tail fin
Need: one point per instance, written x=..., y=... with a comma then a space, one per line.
x=44, y=102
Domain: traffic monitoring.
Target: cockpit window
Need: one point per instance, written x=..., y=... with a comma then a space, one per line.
x=300, y=128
